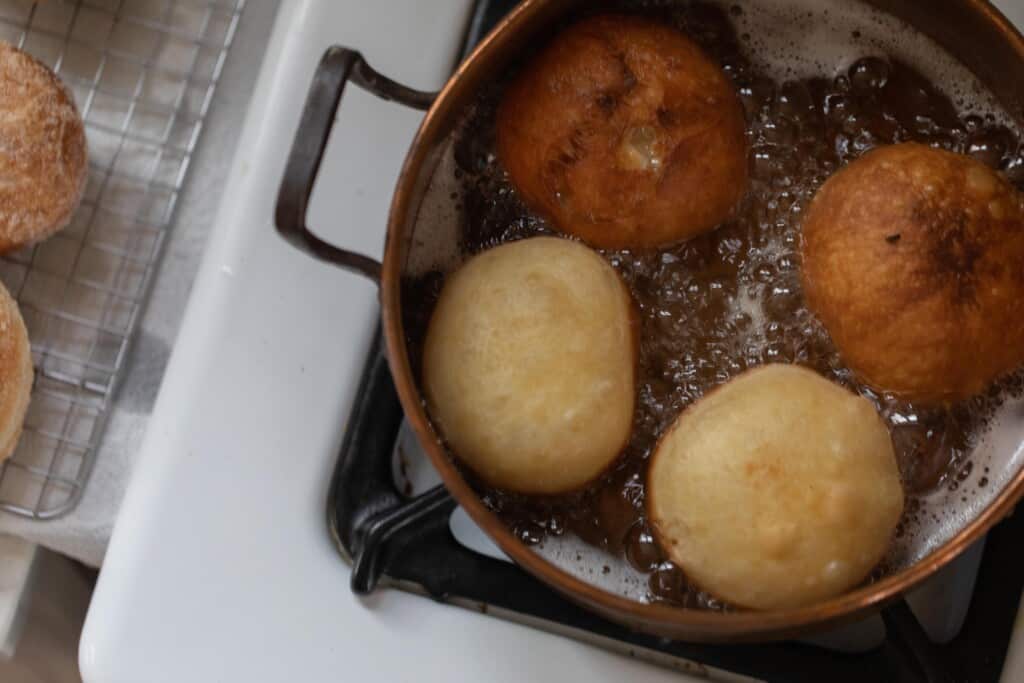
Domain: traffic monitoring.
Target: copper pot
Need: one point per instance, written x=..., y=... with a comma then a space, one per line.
x=971, y=30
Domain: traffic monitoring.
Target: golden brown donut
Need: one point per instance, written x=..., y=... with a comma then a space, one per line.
x=776, y=490
x=43, y=159
x=624, y=133
x=15, y=373
x=913, y=258
x=529, y=365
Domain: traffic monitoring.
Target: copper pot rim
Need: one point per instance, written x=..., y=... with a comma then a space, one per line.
x=652, y=617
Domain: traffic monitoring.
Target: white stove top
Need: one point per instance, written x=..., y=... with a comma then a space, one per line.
x=220, y=567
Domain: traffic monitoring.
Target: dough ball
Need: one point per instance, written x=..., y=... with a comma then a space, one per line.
x=529, y=365
x=624, y=133
x=15, y=374
x=43, y=160
x=776, y=490
x=913, y=258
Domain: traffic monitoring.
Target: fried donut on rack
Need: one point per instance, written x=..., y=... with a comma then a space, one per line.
x=43, y=158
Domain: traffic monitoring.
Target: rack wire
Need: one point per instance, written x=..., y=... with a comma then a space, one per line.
x=143, y=73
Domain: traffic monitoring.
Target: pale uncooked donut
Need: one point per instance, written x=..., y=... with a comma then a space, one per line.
x=15, y=373
x=529, y=365
x=778, y=489
x=43, y=160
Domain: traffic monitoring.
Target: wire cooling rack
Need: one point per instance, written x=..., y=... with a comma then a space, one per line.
x=143, y=73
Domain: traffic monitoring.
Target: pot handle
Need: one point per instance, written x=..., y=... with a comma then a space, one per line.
x=337, y=67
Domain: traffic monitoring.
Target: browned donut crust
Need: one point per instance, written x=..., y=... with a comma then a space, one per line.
x=624, y=133
x=43, y=159
x=15, y=373
x=913, y=258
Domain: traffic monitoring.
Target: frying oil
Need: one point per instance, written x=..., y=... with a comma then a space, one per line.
x=821, y=83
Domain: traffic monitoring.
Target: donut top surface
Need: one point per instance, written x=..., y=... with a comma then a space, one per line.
x=913, y=258
x=529, y=365
x=777, y=489
x=43, y=158
x=624, y=133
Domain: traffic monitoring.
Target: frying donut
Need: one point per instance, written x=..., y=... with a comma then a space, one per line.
x=15, y=373
x=43, y=159
x=913, y=258
x=776, y=490
x=624, y=133
x=529, y=365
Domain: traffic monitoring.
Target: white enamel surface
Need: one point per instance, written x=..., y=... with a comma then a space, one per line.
x=220, y=567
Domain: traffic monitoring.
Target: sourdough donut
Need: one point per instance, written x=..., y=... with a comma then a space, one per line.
x=624, y=133
x=913, y=258
x=776, y=490
x=43, y=159
x=529, y=365
x=15, y=373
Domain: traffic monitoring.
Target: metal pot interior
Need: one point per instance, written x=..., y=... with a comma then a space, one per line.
x=953, y=41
